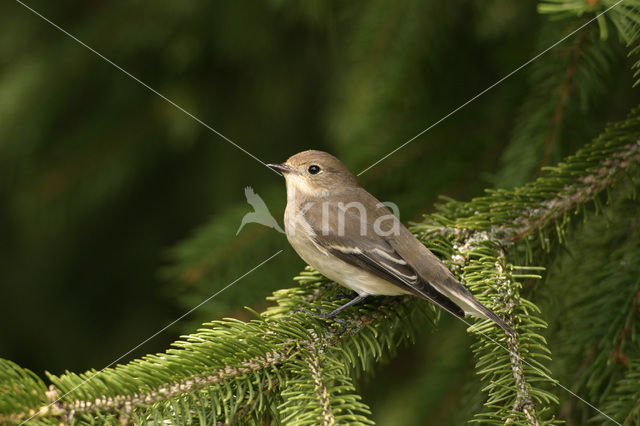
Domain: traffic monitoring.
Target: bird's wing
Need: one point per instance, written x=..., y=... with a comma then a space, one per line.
x=373, y=253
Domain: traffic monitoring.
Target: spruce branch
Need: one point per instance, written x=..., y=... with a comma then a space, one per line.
x=295, y=333
x=542, y=208
x=321, y=390
x=124, y=404
x=600, y=334
x=563, y=97
x=231, y=369
x=482, y=264
x=285, y=367
x=625, y=398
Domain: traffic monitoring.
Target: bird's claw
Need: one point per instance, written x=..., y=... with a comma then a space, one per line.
x=343, y=325
x=320, y=314
x=341, y=294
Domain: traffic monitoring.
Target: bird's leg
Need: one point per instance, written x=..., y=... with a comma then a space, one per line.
x=332, y=314
x=343, y=293
x=351, y=302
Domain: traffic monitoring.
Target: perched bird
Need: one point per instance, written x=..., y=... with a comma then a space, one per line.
x=260, y=214
x=350, y=237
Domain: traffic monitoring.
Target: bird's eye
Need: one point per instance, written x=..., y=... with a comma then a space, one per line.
x=313, y=169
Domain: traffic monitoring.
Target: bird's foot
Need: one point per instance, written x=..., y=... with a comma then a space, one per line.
x=329, y=316
x=332, y=314
x=342, y=294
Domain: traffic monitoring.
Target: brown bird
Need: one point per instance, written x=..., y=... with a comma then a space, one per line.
x=350, y=237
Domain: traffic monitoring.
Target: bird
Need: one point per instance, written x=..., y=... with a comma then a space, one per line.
x=260, y=214
x=350, y=237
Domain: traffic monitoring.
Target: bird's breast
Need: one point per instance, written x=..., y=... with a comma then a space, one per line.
x=300, y=236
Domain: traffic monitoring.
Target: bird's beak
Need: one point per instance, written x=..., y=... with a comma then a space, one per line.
x=283, y=168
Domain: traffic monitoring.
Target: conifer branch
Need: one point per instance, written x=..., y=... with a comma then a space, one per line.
x=541, y=204
x=563, y=98
x=588, y=187
x=291, y=368
x=541, y=208
x=488, y=275
x=599, y=333
x=625, y=397
x=282, y=339
x=321, y=390
x=124, y=404
x=507, y=298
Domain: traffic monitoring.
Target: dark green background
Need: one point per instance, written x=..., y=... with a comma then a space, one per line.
x=118, y=212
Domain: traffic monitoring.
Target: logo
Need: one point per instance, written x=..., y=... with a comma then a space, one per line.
x=334, y=217
x=260, y=213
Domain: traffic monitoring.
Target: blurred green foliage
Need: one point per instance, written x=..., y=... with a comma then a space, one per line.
x=118, y=212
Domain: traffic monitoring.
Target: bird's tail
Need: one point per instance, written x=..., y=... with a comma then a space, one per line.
x=489, y=314
x=463, y=298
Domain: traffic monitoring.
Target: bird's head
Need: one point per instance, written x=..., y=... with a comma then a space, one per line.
x=315, y=173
